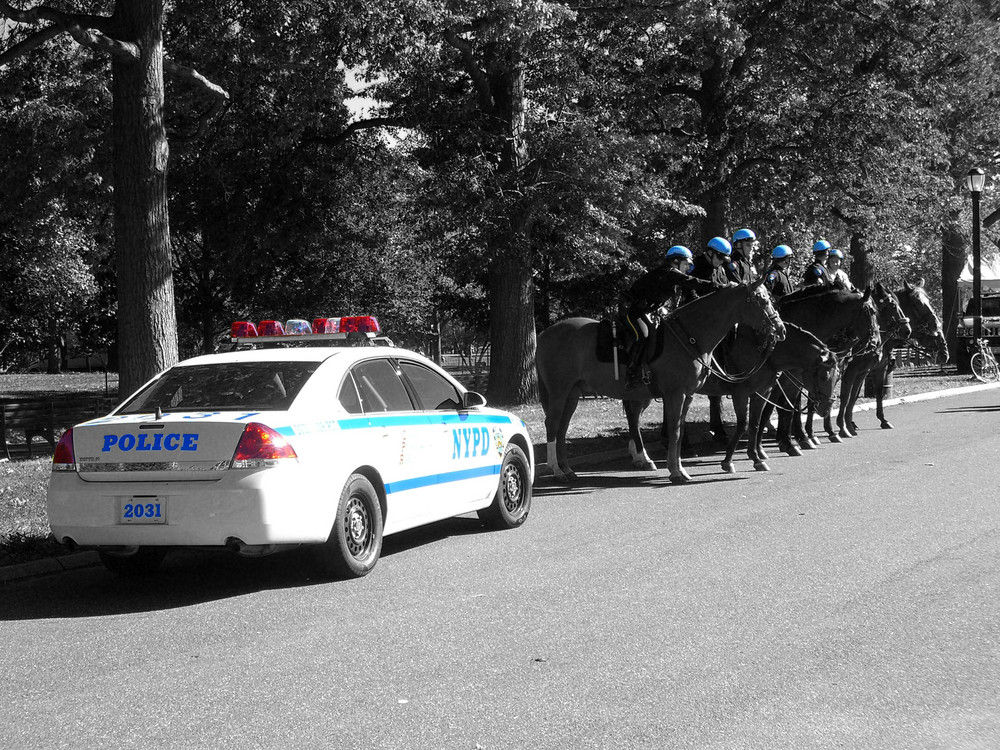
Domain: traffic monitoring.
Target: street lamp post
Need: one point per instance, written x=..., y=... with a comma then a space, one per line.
x=975, y=181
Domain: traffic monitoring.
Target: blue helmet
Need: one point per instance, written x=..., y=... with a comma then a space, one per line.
x=835, y=253
x=679, y=251
x=781, y=251
x=721, y=245
x=743, y=234
x=821, y=246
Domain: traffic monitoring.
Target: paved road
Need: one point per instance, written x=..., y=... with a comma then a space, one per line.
x=848, y=599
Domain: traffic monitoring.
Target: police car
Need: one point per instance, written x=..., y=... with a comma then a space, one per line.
x=268, y=447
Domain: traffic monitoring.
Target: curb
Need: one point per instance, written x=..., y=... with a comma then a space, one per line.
x=49, y=565
x=542, y=469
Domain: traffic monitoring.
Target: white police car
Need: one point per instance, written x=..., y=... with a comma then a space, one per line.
x=262, y=449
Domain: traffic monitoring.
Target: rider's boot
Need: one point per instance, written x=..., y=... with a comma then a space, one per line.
x=635, y=383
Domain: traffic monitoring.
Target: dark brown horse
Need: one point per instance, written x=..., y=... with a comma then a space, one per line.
x=801, y=356
x=894, y=326
x=844, y=321
x=568, y=367
x=926, y=335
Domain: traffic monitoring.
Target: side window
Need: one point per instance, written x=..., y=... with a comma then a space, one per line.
x=380, y=387
x=433, y=390
x=348, y=396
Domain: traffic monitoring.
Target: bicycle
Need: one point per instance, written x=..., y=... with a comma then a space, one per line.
x=984, y=364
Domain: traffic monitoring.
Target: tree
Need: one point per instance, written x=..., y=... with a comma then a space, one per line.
x=133, y=35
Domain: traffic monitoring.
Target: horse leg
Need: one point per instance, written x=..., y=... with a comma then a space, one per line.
x=673, y=422
x=846, y=389
x=741, y=398
x=878, y=381
x=716, y=426
x=557, y=417
x=636, y=446
x=849, y=422
x=757, y=421
x=787, y=422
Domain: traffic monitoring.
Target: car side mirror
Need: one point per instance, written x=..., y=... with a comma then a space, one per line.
x=471, y=400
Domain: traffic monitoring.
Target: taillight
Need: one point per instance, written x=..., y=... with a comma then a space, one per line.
x=260, y=446
x=64, y=459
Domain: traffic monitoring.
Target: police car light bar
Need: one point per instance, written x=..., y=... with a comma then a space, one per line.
x=321, y=329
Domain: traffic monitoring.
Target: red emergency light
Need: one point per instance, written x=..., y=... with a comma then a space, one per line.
x=243, y=329
x=359, y=324
x=270, y=328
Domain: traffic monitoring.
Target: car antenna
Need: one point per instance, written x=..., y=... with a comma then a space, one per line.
x=159, y=414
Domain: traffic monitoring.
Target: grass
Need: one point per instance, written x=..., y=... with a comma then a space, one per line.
x=597, y=426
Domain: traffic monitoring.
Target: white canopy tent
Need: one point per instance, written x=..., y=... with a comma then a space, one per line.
x=989, y=269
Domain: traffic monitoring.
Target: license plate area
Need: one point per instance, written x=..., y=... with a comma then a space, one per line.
x=143, y=509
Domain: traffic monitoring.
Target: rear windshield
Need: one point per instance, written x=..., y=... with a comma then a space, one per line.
x=255, y=386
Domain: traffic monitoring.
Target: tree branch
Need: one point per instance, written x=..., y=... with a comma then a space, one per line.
x=95, y=32
x=26, y=45
x=479, y=78
x=219, y=94
x=356, y=126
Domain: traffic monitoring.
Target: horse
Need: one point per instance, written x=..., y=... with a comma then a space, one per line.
x=801, y=355
x=926, y=334
x=843, y=321
x=893, y=326
x=568, y=367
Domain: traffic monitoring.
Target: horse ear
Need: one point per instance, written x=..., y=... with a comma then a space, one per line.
x=908, y=285
x=868, y=295
x=879, y=288
x=920, y=282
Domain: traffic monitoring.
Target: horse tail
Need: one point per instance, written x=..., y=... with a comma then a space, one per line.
x=543, y=391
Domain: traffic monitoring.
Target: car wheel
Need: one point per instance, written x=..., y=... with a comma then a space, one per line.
x=513, y=498
x=142, y=563
x=355, y=541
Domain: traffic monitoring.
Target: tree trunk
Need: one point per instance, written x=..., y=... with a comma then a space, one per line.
x=862, y=271
x=147, y=327
x=512, y=378
x=953, y=252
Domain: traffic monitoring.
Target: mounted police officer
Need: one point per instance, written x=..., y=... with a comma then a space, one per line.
x=838, y=276
x=776, y=280
x=647, y=294
x=745, y=248
x=816, y=273
x=715, y=263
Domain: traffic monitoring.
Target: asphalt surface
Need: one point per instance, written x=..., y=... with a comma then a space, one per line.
x=847, y=599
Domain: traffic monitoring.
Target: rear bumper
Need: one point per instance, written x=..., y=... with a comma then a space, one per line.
x=258, y=507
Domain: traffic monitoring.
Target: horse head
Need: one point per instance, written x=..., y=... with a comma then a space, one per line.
x=926, y=331
x=893, y=323
x=765, y=319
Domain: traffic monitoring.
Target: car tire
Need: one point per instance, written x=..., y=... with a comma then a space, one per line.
x=142, y=563
x=512, y=501
x=355, y=541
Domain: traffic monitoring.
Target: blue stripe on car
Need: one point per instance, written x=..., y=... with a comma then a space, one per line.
x=451, y=476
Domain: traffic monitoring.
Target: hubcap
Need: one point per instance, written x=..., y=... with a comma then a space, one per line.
x=512, y=494
x=357, y=524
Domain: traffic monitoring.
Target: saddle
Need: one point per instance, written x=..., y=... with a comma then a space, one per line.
x=623, y=339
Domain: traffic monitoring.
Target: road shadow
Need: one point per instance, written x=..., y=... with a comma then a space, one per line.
x=193, y=576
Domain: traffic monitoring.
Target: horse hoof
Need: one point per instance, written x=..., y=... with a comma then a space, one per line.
x=886, y=426
x=814, y=440
x=644, y=465
x=760, y=466
x=835, y=439
x=845, y=434
x=853, y=431
x=680, y=478
x=763, y=455
x=727, y=466
x=807, y=445
x=791, y=450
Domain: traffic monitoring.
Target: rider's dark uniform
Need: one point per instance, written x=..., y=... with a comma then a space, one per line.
x=740, y=267
x=646, y=295
x=777, y=282
x=817, y=275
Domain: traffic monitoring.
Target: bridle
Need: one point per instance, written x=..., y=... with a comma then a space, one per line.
x=845, y=343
